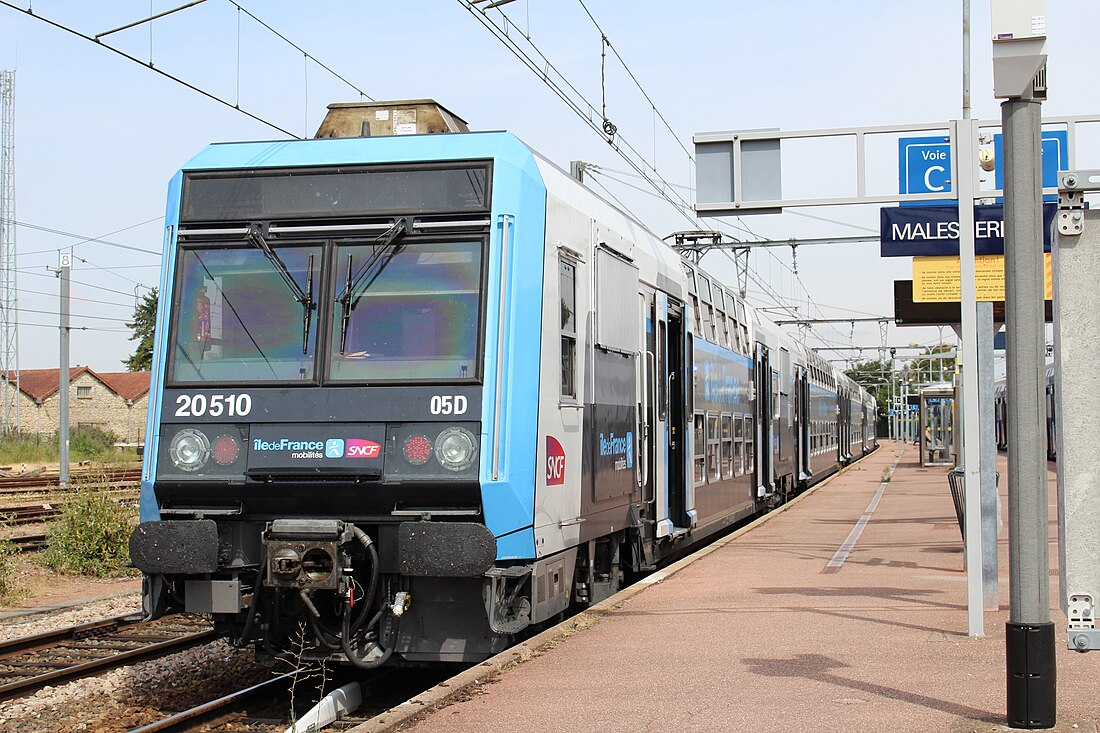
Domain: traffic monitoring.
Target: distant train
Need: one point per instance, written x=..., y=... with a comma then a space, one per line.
x=1000, y=414
x=416, y=396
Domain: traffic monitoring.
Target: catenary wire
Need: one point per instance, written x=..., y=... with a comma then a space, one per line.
x=178, y=80
x=306, y=53
x=83, y=238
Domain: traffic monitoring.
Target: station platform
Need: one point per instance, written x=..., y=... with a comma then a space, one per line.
x=777, y=628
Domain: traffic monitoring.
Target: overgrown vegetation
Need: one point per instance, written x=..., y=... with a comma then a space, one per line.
x=306, y=676
x=7, y=587
x=85, y=444
x=91, y=535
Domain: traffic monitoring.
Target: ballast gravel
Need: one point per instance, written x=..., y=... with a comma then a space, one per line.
x=126, y=698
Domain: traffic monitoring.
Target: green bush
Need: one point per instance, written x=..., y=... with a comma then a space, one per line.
x=91, y=536
x=7, y=552
x=85, y=444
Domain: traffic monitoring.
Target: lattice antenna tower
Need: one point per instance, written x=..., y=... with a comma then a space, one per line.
x=9, y=332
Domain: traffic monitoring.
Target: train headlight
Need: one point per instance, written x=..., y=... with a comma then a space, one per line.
x=190, y=450
x=455, y=448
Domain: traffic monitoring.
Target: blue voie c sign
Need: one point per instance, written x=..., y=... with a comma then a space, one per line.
x=924, y=166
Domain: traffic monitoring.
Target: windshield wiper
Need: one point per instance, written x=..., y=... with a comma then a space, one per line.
x=387, y=246
x=304, y=297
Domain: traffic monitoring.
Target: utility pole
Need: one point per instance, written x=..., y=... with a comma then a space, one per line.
x=64, y=262
x=9, y=320
x=1019, y=77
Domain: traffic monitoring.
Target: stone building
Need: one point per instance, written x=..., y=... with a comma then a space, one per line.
x=113, y=401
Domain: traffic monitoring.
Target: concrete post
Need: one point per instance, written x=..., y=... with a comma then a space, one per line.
x=1077, y=350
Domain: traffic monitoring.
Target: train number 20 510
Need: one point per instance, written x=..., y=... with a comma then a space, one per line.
x=198, y=405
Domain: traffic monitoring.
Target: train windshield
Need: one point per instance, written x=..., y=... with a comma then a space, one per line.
x=246, y=315
x=406, y=311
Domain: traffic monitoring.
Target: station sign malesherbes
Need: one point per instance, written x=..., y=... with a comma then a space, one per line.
x=919, y=231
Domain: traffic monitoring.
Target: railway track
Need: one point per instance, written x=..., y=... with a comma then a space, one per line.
x=265, y=708
x=115, y=479
x=29, y=513
x=29, y=663
x=29, y=542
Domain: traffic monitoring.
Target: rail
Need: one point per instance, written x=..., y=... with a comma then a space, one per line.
x=115, y=479
x=29, y=663
x=225, y=709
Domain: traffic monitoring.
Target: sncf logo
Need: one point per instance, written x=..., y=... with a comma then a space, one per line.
x=359, y=448
x=555, y=462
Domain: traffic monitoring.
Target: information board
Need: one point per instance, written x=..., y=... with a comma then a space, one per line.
x=936, y=279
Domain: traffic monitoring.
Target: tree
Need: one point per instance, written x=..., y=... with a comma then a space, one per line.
x=874, y=376
x=143, y=325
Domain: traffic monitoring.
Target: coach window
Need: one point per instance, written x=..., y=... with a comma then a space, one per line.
x=750, y=441
x=567, y=286
x=708, y=310
x=696, y=313
x=713, y=448
x=735, y=332
x=699, y=448
x=744, y=327
x=728, y=467
x=738, y=445
x=720, y=311
x=662, y=360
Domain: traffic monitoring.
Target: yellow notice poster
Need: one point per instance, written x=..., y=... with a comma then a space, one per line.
x=936, y=279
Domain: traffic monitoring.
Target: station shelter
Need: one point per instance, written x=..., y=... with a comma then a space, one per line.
x=937, y=425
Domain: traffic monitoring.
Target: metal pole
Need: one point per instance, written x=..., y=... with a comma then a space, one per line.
x=893, y=403
x=901, y=413
x=65, y=261
x=966, y=134
x=988, y=449
x=1029, y=631
x=966, y=59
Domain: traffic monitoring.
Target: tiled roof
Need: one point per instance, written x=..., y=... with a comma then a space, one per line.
x=38, y=384
x=127, y=385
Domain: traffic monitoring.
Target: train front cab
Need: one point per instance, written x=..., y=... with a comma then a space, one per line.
x=401, y=484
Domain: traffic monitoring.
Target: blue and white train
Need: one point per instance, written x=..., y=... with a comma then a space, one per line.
x=416, y=396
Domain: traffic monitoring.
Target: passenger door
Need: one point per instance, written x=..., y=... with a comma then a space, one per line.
x=802, y=423
x=676, y=369
x=765, y=422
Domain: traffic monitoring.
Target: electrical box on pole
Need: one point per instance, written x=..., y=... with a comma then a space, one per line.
x=1019, y=47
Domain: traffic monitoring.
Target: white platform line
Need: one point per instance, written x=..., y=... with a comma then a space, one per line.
x=849, y=543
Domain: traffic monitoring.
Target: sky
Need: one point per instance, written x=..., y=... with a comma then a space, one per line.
x=99, y=136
